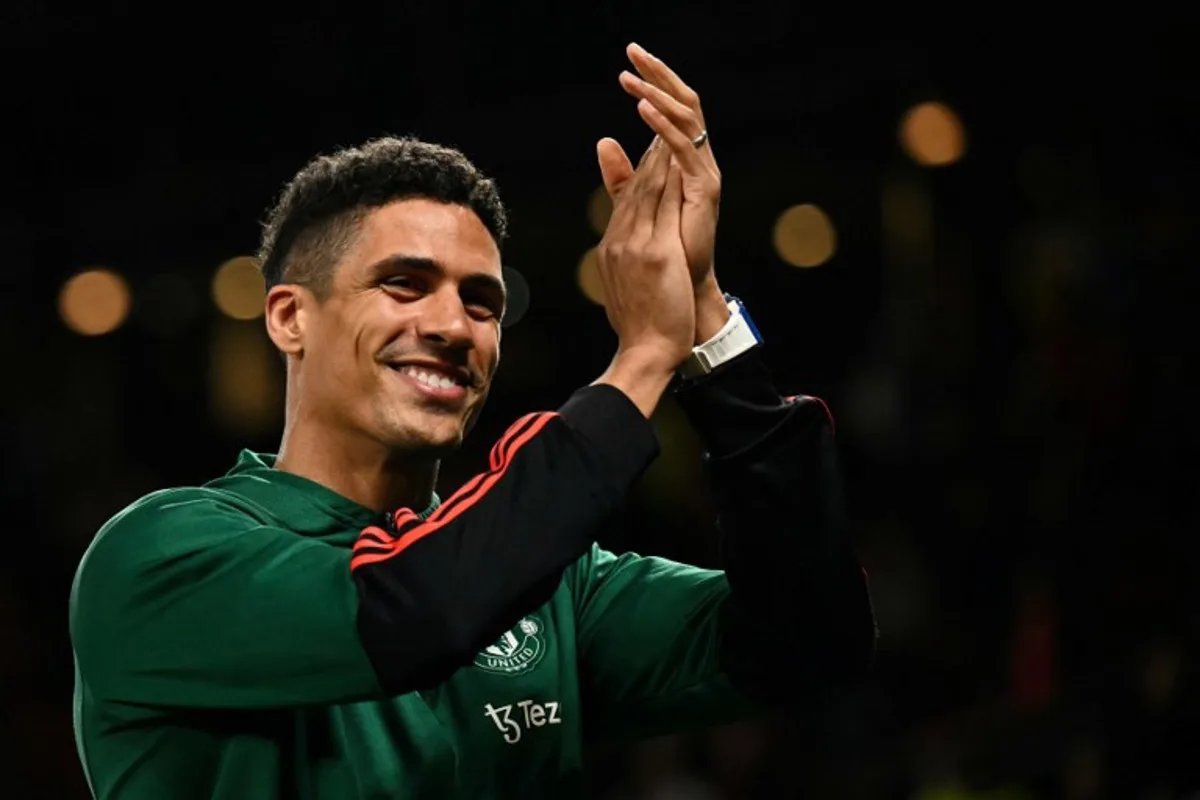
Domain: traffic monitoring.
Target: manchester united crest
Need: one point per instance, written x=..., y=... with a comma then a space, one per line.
x=517, y=651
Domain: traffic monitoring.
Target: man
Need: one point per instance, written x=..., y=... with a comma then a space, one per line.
x=319, y=625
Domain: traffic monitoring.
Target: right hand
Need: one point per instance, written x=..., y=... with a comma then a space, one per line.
x=648, y=293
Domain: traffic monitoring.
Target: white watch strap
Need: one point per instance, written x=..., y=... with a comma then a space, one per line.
x=735, y=337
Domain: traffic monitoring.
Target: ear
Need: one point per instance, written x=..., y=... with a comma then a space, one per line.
x=286, y=317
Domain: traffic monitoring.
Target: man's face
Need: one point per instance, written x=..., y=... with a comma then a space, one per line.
x=403, y=350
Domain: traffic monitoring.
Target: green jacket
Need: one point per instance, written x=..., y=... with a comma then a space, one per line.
x=261, y=636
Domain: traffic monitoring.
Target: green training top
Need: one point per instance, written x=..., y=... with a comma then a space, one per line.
x=218, y=656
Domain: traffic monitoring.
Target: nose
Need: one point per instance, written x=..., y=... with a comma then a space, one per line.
x=444, y=320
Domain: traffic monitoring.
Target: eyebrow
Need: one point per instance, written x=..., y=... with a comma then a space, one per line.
x=434, y=267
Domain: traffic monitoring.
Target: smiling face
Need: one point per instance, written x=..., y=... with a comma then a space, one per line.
x=403, y=348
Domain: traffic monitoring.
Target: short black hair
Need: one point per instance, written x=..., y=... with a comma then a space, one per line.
x=314, y=220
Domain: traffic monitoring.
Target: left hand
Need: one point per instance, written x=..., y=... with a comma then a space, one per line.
x=672, y=110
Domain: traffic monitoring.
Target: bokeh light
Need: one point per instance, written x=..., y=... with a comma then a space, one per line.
x=932, y=135
x=518, y=296
x=599, y=209
x=245, y=380
x=669, y=483
x=804, y=236
x=238, y=288
x=94, y=302
x=588, y=276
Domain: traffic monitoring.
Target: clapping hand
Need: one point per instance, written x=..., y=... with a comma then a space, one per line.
x=672, y=110
x=648, y=294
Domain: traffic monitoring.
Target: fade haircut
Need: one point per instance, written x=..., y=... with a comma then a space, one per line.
x=318, y=212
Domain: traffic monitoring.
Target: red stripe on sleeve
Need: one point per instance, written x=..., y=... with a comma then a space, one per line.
x=378, y=534
x=406, y=516
x=518, y=435
x=497, y=454
x=796, y=397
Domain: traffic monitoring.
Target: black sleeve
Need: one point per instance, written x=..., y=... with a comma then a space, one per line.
x=435, y=592
x=796, y=583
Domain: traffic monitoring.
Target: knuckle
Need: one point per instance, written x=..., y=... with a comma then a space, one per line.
x=689, y=97
x=655, y=254
x=638, y=247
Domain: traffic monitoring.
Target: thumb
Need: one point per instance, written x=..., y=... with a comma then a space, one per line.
x=615, y=167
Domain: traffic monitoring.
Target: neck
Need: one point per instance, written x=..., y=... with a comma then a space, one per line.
x=361, y=470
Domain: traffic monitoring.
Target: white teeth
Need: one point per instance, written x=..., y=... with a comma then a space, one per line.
x=429, y=378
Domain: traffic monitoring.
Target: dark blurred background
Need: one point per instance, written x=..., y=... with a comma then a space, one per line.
x=974, y=236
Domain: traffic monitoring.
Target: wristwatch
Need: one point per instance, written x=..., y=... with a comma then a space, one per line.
x=738, y=335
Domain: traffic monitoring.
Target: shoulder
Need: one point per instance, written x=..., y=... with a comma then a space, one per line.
x=156, y=528
x=168, y=514
x=588, y=573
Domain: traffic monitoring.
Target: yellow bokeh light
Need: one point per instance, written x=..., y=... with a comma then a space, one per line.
x=599, y=209
x=670, y=481
x=238, y=288
x=588, y=276
x=94, y=302
x=245, y=379
x=932, y=135
x=804, y=236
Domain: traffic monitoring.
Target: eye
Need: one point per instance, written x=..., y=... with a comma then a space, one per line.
x=482, y=305
x=481, y=311
x=405, y=284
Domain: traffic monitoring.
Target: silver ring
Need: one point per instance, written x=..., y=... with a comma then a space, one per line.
x=700, y=139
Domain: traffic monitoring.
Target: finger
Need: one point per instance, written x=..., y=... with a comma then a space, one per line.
x=615, y=167
x=670, y=205
x=655, y=142
x=651, y=179
x=656, y=72
x=627, y=206
x=678, y=142
x=674, y=110
x=693, y=159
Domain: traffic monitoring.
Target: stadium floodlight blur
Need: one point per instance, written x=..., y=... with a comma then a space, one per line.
x=94, y=302
x=932, y=135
